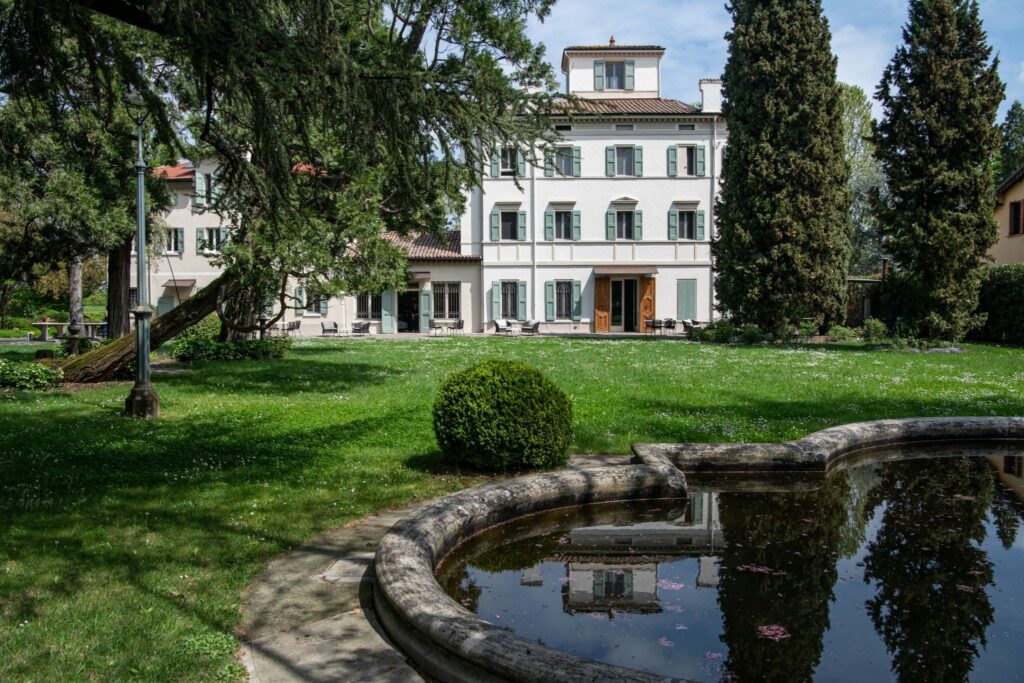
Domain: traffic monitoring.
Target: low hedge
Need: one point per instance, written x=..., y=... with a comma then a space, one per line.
x=201, y=348
x=503, y=415
x=1002, y=299
x=28, y=375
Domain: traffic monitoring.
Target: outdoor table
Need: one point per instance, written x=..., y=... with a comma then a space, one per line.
x=44, y=329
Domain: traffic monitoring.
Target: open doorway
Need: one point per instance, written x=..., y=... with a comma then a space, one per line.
x=409, y=311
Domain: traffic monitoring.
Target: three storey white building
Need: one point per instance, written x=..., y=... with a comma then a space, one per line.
x=612, y=230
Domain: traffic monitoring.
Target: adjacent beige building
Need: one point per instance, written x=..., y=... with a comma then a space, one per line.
x=1010, y=219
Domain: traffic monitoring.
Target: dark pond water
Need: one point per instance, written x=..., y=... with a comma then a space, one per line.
x=909, y=571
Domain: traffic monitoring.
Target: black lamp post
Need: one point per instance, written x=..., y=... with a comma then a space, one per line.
x=142, y=402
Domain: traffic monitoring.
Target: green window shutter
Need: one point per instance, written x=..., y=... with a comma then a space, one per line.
x=577, y=300
x=324, y=303
x=630, y=74
x=426, y=310
x=388, y=308
x=609, y=226
x=700, y=226
x=673, y=161
x=577, y=164
x=200, y=198
x=164, y=304
x=598, y=74
x=699, y=161
x=627, y=583
x=638, y=161
x=300, y=300
x=521, y=232
x=549, y=164
x=215, y=186
x=223, y=236
x=521, y=301
x=686, y=299
x=495, y=163
x=576, y=226
x=609, y=161
x=495, y=225
x=638, y=225
x=200, y=240
x=495, y=300
x=673, y=224
x=181, y=239
x=549, y=301
x=520, y=164
x=549, y=225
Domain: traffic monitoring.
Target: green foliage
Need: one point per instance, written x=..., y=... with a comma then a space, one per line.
x=866, y=180
x=840, y=333
x=85, y=345
x=28, y=375
x=784, y=213
x=1011, y=154
x=939, y=94
x=874, y=330
x=807, y=328
x=751, y=334
x=1002, y=301
x=202, y=348
x=503, y=415
x=719, y=332
x=207, y=328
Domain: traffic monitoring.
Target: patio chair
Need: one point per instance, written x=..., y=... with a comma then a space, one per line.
x=360, y=329
x=670, y=325
x=458, y=327
x=654, y=325
x=502, y=326
x=294, y=326
x=531, y=327
x=328, y=327
x=437, y=325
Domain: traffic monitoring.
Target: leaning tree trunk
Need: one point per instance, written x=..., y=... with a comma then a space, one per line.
x=103, y=363
x=119, y=263
x=5, y=302
x=243, y=310
x=76, y=311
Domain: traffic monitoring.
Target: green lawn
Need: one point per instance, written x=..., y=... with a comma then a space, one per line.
x=124, y=545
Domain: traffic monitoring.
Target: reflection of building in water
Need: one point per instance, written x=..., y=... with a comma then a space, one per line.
x=616, y=566
x=1011, y=472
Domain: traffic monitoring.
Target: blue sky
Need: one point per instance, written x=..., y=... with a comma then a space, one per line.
x=865, y=34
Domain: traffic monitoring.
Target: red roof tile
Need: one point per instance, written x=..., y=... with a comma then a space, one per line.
x=424, y=247
x=183, y=171
x=625, y=105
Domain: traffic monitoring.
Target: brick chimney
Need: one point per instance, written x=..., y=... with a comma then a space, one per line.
x=611, y=41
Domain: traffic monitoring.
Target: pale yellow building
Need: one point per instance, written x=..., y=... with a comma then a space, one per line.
x=1010, y=219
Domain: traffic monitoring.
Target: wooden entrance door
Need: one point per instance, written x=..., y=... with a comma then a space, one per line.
x=646, y=301
x=602, y=299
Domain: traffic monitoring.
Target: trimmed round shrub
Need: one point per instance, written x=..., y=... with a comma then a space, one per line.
x=503, y=415
x=1002, y=299
x=874, y=330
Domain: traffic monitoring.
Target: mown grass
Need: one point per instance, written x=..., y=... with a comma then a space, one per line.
x=124, y=545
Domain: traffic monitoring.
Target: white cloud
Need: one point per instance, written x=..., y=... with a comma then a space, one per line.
x=863, y=55
x=1020, y=76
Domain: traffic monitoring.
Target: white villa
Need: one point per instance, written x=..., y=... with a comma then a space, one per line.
x=613, y=229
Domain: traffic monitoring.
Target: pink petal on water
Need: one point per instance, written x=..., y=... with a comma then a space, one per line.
x=563, y=540
x=665, y=642
x=665, y=584
x=772, y=632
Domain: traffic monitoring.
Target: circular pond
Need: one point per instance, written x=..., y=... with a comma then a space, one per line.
x=889, y=567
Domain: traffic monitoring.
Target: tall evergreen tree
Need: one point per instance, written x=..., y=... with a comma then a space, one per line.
x=1011, y=154
x=939, y=96
x=784, y=211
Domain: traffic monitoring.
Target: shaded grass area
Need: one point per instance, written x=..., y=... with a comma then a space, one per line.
x=124, y=545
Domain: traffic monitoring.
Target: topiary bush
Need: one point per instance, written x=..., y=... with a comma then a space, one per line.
x=1002, y=298
x=874, y=330
x=25, y=375
x=503, y=415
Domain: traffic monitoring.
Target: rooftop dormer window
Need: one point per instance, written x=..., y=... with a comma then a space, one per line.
x=614, y=75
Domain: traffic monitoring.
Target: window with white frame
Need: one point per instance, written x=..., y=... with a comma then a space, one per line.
x=563, y=225
x=624, y=161
x=688, y=160
x=624, y=229
x=563, y=161
x=175, y=238
x=563, y=299
x=510, y=225
x=368, y=306
x=510, y=299
x=615, y=75
x=213, y=240
x=688, y=225
x=315, y=303
x=509, y=161
x=447, y=304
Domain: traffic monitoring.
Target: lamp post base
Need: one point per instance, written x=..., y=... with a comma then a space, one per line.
x=142, y=403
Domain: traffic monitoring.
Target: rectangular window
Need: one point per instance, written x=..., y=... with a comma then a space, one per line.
x=509, y=161
x=623, y=126
x=624, y=161
x=563, y=127
x=563, y=161
x=314, y=303
x=368, y=306
x=510, y=299
x=563, y=299
x=1016, y=218
x=446, y=300
x=687, y=225
x=509, y=225
x=688, y=161
x=173, y=243
x=208, y=198
x=563, y=225
x=133, y=297
x=624, y=225
x=615, y=75
x=212, y=242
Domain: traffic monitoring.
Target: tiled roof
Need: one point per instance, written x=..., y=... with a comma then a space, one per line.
x=1014, y=178
x=183, y=171
x=424, y=247
x=606, y=46
x=625, y=105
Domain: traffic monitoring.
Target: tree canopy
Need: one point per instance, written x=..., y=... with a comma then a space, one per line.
x=866, y=180
x=1011, y=152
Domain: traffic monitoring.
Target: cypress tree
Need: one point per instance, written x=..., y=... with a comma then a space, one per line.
x=1011, y=155
x=784, y=211
x=937, y=137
